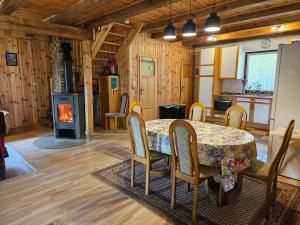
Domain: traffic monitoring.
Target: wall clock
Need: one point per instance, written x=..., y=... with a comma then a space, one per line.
x=265, y=43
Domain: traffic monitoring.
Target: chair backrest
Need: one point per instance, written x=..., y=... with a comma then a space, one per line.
x=197, y=112
x=276, y=163
x=124, y=103
x=236, y=116
x=137, y=133
x=183, y=141
x=136, y=107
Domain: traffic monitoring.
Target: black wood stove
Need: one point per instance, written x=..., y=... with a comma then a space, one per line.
x=68, y=108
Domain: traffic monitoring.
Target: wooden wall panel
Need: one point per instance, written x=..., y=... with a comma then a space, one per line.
x=24, y=89
x=169, y=58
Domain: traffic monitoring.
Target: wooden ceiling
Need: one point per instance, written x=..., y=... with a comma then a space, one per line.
x=236, y=15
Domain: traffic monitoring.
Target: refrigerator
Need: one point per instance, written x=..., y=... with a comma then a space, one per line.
x=286, y=106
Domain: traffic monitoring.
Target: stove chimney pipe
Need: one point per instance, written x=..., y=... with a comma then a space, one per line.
x=67, y=58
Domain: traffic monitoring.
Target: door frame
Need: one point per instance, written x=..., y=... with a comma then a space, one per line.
x=154, y=59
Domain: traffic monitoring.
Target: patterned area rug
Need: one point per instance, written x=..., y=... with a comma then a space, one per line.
x=243, y=207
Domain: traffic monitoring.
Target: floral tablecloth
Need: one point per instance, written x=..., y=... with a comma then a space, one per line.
x=228, y=147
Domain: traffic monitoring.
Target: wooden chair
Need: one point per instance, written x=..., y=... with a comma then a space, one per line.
x=268, y=172
x=185, y=163
x=140, y=150
x=136, y=107
x=197, y=112
x=118, y=115
x=236, y=116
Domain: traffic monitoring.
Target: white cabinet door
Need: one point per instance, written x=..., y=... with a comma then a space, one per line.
x=246, y=106
x=207, y=56
x=229, y=62
x=261, y=113
x=206, y=90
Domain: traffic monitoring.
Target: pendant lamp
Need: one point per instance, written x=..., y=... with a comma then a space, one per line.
x=212, y=24
x=170, y=31
x=189, y=28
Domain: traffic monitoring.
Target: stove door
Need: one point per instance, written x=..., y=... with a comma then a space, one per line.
x=64, y=112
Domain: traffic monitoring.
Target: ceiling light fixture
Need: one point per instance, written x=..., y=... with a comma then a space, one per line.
x=211, y=38
x=170, y=31
x=189, y=28
x=213, y=23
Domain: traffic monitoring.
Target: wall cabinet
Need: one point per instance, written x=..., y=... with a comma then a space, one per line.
x=229, y=57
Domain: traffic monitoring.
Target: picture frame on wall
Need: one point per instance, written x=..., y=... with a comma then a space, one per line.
x=11, y=59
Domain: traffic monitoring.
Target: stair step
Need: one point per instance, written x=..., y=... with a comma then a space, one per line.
x=100, y=59
x=117, y=34
x=122, y=25
x=109, y=52
x=111, y=43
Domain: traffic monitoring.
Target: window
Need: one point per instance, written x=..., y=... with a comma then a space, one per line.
x=260, y=71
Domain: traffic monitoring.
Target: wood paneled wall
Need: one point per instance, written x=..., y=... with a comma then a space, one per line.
x=169, y=57
x=24, y=89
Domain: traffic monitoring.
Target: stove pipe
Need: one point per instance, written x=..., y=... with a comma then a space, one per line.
x=67, y=58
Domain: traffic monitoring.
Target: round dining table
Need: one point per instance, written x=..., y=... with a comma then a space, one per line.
x=229, y=148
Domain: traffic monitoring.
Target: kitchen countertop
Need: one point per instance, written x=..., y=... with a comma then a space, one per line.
x=246, y=96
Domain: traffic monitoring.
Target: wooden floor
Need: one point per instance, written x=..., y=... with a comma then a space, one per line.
x=63, y=189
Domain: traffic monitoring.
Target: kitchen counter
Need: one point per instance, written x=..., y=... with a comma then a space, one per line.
x=246, y=96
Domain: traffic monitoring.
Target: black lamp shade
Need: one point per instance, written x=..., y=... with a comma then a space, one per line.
x=212, y=24
x=189, y=29
x=170, y=31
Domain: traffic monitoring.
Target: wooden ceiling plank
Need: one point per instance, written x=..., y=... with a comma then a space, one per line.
x=9, y=6
x=125, y=45
x=247, y=17
x=204, y=12
x=129, y=11
x=291, y=24
x=69, y=16
x=8, y=22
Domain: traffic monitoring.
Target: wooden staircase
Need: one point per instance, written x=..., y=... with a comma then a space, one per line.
x=111, y=42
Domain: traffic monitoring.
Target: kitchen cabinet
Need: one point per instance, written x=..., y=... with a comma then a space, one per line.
x=261, y=111
x=246, y=104
x=206, y=92
x=229, y=57
x=206, y=67
x=257, y=108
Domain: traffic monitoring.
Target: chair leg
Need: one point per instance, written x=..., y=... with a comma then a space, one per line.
x=274, y=191
x=187, y=187
x=116, y=124
x=106, y=123
x=240, y=182
x=195, y=202
x=268, y=201
x=147, y=185
x=132, y=173
x=173, y=197
x=221, y=196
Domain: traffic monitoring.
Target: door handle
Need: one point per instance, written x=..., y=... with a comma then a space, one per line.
x=141, y=91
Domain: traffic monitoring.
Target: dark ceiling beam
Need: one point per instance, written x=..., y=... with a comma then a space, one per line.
x=251, y=29
x=127, y=12
x=68, y=17
x=247, y=17
x=30, y=26
x=204, y=12
x=9, y=6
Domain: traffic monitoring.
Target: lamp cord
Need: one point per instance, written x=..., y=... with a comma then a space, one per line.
x=190, y=9
x=170, y=9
